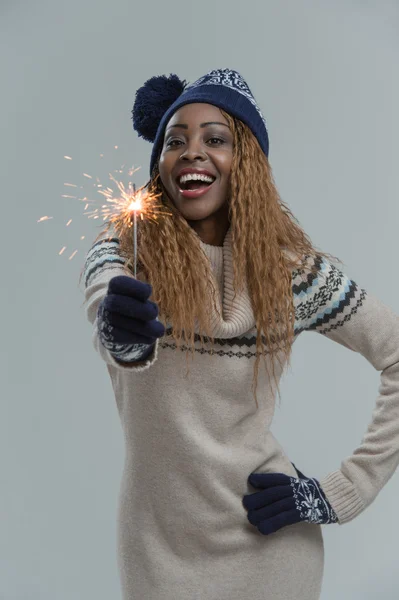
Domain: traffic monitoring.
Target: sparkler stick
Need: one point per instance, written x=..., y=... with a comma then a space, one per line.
x=135, y=242
x=134, y=210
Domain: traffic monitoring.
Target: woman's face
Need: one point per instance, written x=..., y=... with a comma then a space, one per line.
x=198, y=138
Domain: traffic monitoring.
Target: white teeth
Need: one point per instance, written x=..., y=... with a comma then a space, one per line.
x=194, y=177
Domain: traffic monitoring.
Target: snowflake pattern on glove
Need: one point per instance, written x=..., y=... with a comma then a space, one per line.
x=311, y=502
x=122, y=352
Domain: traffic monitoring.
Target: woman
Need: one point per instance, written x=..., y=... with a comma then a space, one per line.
x=210, y=505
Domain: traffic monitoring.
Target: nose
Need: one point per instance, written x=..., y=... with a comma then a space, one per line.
x=193, y=151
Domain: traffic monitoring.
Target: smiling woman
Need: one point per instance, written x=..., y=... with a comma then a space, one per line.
x=236, y=280
x=198, y=140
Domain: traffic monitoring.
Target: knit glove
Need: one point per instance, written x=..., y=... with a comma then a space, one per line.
x=286, y=500
x=127, y=320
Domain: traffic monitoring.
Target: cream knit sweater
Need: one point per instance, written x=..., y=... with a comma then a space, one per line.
x=191, y=442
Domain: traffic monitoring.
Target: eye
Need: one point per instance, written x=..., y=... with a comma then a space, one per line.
x=217, y=139
x=171, y=143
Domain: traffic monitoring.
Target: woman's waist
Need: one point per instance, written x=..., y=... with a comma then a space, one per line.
x=202, y=504
x=214, y=472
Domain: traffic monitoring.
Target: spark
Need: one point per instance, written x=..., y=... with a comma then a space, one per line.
x=120, y=205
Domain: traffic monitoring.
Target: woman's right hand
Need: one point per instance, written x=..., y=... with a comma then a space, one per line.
x=126, y=314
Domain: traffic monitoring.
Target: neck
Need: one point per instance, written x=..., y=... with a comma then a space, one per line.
x=212, y=231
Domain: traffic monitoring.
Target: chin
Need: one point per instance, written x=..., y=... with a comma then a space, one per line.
x=196, y=214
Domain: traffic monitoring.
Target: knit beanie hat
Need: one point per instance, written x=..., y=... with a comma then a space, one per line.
x=160, y=97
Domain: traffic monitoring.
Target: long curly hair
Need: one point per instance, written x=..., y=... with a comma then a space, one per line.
x=267, y=243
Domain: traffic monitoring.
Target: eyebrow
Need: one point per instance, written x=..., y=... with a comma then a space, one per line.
x=184, y=126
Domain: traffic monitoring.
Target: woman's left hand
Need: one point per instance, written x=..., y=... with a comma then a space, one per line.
x=286, y=500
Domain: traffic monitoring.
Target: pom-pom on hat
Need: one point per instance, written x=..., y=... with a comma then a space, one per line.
x=161, y=96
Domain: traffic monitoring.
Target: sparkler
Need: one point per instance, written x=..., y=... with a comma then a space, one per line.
x=124, y=204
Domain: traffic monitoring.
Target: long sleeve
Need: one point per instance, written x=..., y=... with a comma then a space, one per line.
x=335, y=306
x=103, y=262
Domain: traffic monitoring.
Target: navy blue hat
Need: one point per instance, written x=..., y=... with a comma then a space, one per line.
x=160, y=97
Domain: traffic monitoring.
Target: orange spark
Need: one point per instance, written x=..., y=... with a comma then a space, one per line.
x=122, y=202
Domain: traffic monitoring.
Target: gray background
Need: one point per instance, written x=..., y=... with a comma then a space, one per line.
x=326, y=77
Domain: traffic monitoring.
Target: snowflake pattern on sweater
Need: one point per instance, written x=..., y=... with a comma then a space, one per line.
x=325, y=300
x=322, y=301
x=104, y=255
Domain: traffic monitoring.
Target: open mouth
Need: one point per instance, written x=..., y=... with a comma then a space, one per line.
x=194, y=184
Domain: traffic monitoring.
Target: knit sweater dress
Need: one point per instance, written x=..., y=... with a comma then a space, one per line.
x=192, y=440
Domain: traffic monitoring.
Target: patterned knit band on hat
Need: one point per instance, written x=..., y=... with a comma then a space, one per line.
x=161, y=96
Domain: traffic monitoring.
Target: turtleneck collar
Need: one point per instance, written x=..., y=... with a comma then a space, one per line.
x=236, y=317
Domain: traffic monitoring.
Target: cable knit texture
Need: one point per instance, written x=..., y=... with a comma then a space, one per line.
x=192, y=439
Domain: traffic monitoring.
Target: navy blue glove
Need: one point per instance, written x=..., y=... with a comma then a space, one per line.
x=127, y=320
x=286, y=500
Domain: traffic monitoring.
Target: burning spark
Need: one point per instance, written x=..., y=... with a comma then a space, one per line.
x=122, y=210
x=122, y=205
x=123, y=202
